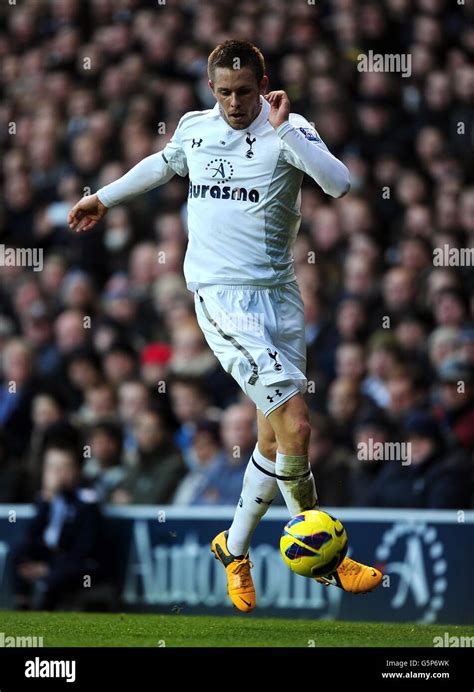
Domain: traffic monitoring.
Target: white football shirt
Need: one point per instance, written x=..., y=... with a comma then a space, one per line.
x=244, y=192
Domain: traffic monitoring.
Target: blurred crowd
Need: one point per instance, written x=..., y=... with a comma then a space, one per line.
x=101, y=353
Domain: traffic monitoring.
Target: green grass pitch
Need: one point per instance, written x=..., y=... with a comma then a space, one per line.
x=123, y=629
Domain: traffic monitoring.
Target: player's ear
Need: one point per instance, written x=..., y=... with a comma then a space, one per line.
x=211, y=85
x=264, y=84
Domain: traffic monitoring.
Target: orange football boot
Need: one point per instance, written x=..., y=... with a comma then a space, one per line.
x=239, y=580
x=353, y=576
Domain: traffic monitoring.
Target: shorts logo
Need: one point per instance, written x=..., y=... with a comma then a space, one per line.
x=271, y=399
x=276, y=366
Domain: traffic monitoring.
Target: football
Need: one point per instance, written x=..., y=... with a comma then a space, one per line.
x=313, y=543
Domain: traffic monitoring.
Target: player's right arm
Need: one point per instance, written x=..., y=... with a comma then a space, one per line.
x=149, y=173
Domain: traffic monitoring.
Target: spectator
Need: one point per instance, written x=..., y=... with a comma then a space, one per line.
x=193, y=358
x=442, y=343
x=399, y=291
x=351, y=319
x=63, y=543
x=16, y=393
x=70, y=331
x=157, y=467
x=344, y=401
x=119, y=363
x=321, y=340
x=431, y=479
x=154, y=361
x=83, y=372
x=206, y=454
x=224, y=481
x=37, y=326
x=134, y=400
x=456, y=409
x=411, y=332
x=329, y=463
x=189, y=403
x=100, y=404
x=104, y=468
x=450, y=309
x=384, y=356
x=406, y=392
x=48, y=409
x=350, y=360
x=370, y=431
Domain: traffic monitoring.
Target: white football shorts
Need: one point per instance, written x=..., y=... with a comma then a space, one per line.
x=258, y=335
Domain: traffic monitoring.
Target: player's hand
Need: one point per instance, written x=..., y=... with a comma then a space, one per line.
x=86, y=213
x=280, y=104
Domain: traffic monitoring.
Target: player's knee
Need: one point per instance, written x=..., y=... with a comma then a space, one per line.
x=302, y=430
x=268, y=447
x=296, y=429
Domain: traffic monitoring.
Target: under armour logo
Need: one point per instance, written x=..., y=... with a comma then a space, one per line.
x=276, y=366
x=259, y=501
x=196, y=143
x=271, y=398
x=250, y=142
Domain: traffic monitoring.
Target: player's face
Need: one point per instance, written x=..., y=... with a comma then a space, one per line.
x=238, y=94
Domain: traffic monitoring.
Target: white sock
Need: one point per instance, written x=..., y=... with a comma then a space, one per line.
x=296, y=482
x=259, y=489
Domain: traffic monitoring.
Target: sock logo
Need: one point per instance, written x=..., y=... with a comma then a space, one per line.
x=241, y=502
x=260, y=501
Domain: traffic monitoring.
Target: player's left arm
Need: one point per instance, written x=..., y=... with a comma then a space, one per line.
x=304, y=149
